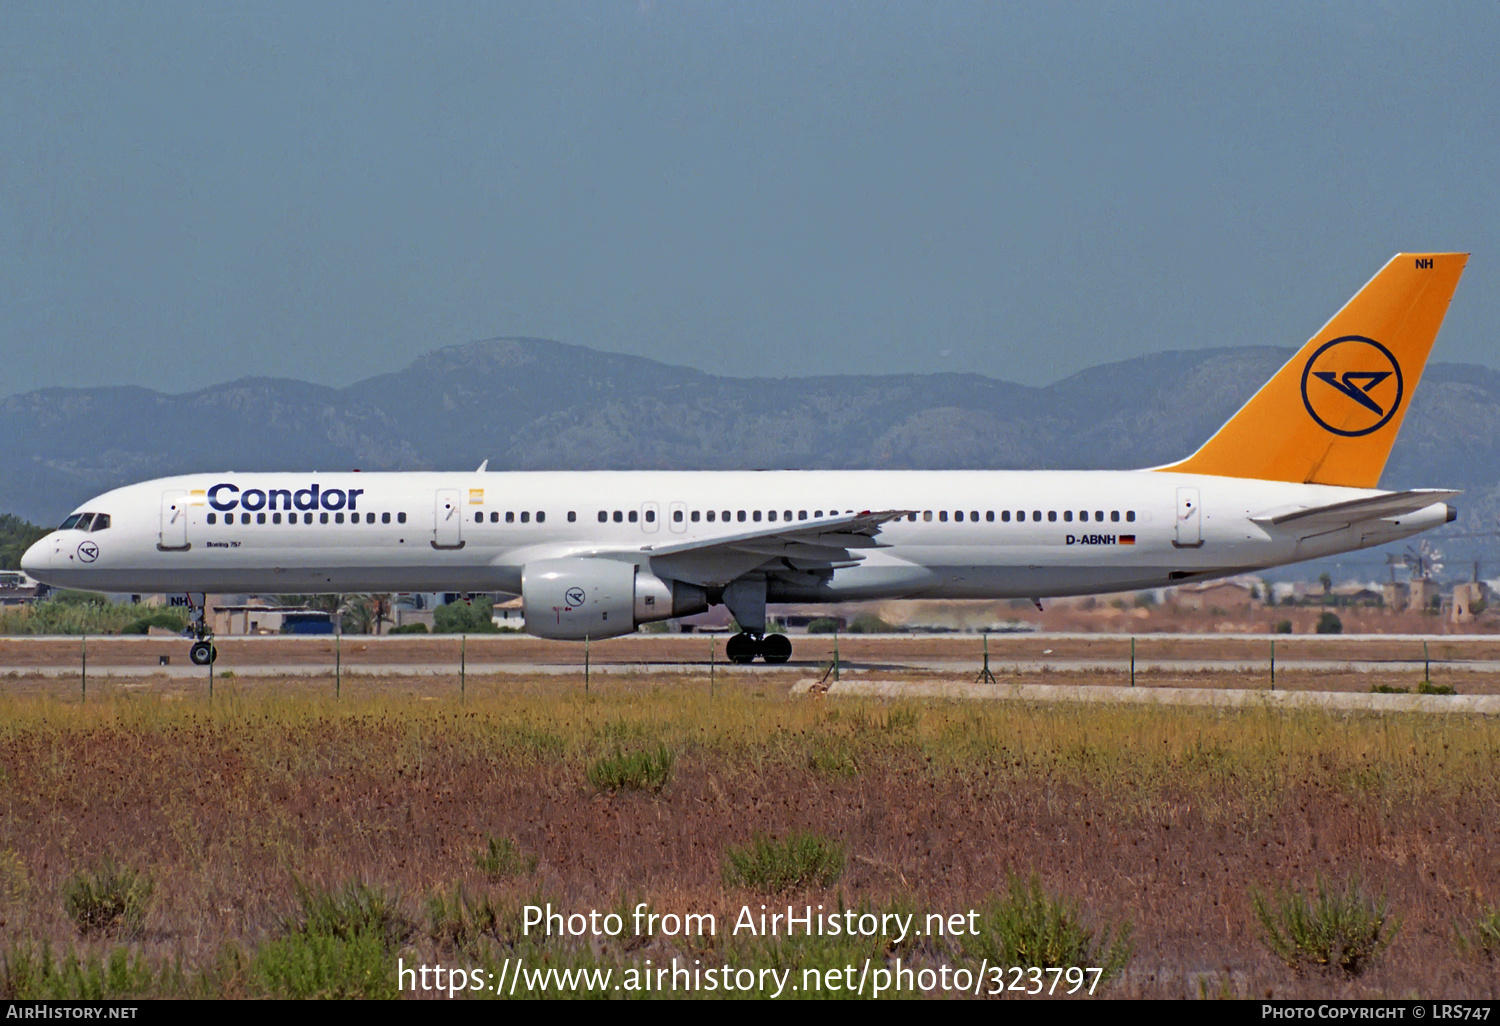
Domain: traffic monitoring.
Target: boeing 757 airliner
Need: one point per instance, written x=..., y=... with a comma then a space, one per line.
x=1293, y=475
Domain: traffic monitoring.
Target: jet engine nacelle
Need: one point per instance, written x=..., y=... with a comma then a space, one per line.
x=573, y=599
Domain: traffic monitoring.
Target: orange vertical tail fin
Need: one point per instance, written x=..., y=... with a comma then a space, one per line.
x=1331, y=414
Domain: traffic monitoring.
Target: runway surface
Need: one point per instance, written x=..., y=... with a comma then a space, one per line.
x=1211, y=670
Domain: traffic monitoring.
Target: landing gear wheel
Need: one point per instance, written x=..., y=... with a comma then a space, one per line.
x=202, y=653
x=775, y=648
x=742, y=648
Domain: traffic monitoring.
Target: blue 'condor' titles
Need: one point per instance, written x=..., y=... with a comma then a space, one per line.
x=225, y=497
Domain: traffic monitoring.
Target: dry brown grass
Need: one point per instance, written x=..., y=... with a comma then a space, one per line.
x=1164, y=817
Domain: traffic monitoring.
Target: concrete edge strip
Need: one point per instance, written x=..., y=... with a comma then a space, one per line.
x=1486, y=705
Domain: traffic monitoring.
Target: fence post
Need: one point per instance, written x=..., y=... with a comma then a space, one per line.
x=1273, y=664
x=83, y=676
x=1132, y=661
x=338, y=665
x=713, y=643
x=463, y=666
x=985, y=676
x=585, y=664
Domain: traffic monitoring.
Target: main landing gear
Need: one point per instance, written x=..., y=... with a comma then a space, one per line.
x=773, y=648
x=203, y=651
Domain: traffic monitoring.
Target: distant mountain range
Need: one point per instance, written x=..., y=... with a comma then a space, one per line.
x=530, y=404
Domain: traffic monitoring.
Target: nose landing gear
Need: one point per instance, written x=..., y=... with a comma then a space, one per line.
x=203, y=651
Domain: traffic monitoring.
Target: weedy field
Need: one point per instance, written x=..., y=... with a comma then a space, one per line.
x=276, y=842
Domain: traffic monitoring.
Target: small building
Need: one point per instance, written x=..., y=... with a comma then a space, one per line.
x=1469, y=599
x=509, y=614
x=1236, y=594
x=262, y=617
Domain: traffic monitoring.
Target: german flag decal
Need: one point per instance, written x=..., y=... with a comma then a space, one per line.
x=1127, y=539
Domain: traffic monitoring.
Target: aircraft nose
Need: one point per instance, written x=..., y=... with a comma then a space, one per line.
x=38, y=559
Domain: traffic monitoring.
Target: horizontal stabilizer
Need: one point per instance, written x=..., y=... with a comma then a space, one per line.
x=1340, y=514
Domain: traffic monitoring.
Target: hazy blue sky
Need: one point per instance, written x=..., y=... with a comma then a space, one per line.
x=191, y=193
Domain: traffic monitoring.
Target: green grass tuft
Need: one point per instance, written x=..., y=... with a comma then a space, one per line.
x=1485, y=939
x=504, y=859
x=646, y=770
x=1029, y=927
x=108, y=899
x=802, y=860
x=352, y=911
x=1331, y=931
x=321, y=966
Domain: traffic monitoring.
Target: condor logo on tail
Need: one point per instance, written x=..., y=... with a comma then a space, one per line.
x=1356, y=402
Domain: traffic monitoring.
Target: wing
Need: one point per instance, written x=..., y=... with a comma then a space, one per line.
x=1345, y=514
x=803, y=548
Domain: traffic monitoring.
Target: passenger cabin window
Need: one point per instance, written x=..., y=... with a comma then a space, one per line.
x=1005, y=516
x=385, y=518
x=510, y=516
x=650, y=516
x=1067, y=516
x=677, y=516
x=695, y=516
x=525, y=516
x=1130, y=515
x=260, y=518
x=741, y=517
x=710, y=516
x=400, y=518
x=619, y=517
x=634, y=516
x=572, y=516
x=927, y=516
x=603, y=516
x=211, y=518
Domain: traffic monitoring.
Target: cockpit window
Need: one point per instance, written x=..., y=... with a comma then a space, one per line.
x=84, y=522
x=101, y=522
x=67, y=525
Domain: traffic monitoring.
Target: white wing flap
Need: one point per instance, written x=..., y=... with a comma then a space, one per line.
x=811, y=546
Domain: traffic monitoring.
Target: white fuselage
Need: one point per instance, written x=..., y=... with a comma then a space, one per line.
x=971, y=534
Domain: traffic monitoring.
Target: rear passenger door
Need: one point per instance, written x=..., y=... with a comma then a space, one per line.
x=448, y=525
